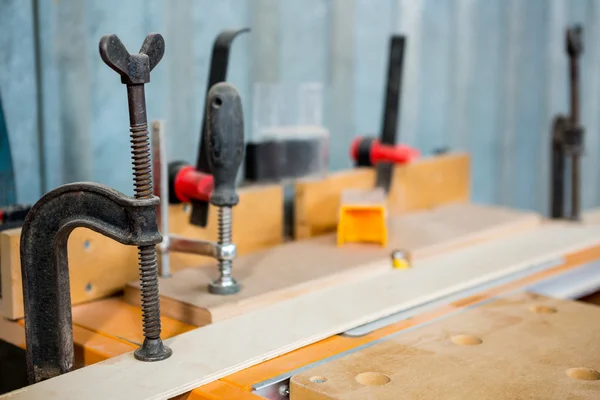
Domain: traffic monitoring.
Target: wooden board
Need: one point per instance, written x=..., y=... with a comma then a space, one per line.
x=257, y=224
x=426, y=183
x=591, y=216
x=117, y=319
x=100, y=266
x=214, y=351
x=523, y=346
x=299, y=267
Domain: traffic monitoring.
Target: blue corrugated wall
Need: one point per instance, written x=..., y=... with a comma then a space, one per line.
x=485, y=76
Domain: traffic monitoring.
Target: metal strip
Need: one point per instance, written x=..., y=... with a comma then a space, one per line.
x=573, y=284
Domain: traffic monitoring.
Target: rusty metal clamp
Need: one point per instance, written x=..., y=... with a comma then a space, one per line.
x=45, y=264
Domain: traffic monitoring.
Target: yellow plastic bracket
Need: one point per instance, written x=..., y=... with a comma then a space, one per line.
x=362, y=218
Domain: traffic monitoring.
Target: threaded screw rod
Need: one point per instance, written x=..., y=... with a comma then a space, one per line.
x=225, y=239
x=134, y=70
x=152, y=349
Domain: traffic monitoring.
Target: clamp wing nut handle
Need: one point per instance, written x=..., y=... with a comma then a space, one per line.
x=133, y=68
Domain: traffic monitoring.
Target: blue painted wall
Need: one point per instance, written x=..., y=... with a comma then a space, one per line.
x=485, y=76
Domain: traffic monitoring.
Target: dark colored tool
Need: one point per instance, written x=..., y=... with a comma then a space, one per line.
x=225, y=147
x=45, y=264
x=225, y=150
x=7, y=176
x=567, y=137
x=391, y=111
x=13, y=216
x=134, y=70
x=218, y=73
x=367, y=152
x=285, y=158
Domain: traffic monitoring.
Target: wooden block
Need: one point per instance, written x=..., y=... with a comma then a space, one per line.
x=317, y=202
x=257, y=224
x=89, y=346
x=420, y=185
x=209, y=353
x=296, y=268
x=442, y=229
x=100, y=267
x=119, y=320
x=523, y=346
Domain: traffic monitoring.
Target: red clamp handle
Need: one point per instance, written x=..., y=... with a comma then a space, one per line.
x=370, y=152
x=191, y=184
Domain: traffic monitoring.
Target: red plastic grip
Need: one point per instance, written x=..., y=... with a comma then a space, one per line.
x=191, y=184
x=399, y=154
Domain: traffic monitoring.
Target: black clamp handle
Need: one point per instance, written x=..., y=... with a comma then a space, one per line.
x=574, y=41
x=219, y=65
x=224, y=141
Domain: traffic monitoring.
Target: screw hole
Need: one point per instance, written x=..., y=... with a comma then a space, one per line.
x=583, y=374
x=88, y=288
x=540, y=309
x=317, y=379
x=372, y=379
x=217, y=102
x=466, y=340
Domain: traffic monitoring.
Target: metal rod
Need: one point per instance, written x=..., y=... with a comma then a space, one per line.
x=161, y=190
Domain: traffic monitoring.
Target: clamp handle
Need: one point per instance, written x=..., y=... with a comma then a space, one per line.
x=574, y=38
x=224, y=141
x=133, y=68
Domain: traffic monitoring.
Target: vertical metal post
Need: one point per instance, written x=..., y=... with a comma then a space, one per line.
x=161, y=190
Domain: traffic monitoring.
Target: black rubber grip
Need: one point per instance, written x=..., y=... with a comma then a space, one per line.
x=224, y=141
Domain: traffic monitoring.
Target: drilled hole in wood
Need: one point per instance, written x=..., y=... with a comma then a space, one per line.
x=466, y=340
x=372, y=379
x=583, y=374
x=317, y=379
x=541, y=309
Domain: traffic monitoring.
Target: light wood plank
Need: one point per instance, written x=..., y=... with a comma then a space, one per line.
x=209, y=353
x=296, y=268
x=522, y=346
x=100, y=267
x=426, y=183
x=591, y=216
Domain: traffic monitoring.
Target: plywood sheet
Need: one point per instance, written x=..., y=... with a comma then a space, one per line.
x=591, y=216
x=211, y=352
x=99, y=266
x=299, y=267
x=426, y=183
x=523, y=346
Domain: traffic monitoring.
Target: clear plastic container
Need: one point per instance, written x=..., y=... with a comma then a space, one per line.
x=288, y=138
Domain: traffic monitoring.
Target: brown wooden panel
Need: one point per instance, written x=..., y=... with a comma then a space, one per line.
x=99, y=266
x=299, y=267
x=420, y=185
x=523, y=346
